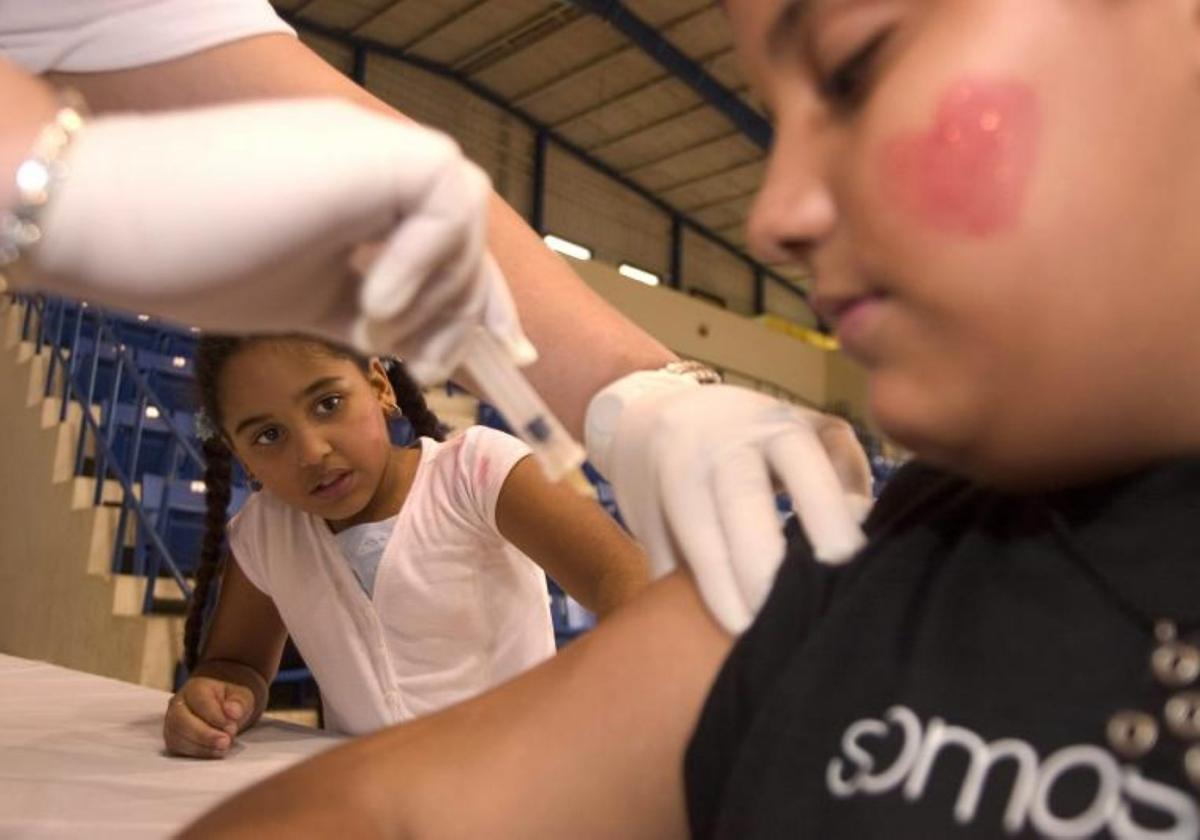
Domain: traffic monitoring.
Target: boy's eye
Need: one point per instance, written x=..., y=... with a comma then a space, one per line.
x=329, y=404
x=267, y=436
x=850, y=82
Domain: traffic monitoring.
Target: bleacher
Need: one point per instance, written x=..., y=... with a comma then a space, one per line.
x=136, y=374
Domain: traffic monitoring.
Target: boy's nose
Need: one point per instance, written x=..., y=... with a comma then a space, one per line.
x=794, y=210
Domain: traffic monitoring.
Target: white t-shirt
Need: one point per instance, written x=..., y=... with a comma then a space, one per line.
x=456, y=608
x=81, y=36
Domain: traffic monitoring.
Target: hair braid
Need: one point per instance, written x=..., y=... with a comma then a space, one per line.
x=217, y=475
x=412, y=402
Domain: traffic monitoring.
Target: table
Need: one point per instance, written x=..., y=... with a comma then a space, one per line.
x=82, y=756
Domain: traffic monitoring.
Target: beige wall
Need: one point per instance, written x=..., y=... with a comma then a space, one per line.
x=581, y=203
x=748, y=351
x=847, y=385
x=702, y=331
x=58, y=600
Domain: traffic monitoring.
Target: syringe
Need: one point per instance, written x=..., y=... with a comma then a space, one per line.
x=504, y=386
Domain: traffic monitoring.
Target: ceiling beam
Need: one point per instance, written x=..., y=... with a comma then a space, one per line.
x=676, y=62
x=627, y=93
x=526, y=35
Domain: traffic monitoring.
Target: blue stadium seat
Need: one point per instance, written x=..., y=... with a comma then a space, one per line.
x=604, y=492
x=569, y=618
x=177, y=512
x=160, y=452
x=490, y=416
x=106, y=366
x=171, y=378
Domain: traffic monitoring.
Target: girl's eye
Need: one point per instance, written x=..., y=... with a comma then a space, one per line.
x=328, y=405
x=267, y=436
x=850, y=82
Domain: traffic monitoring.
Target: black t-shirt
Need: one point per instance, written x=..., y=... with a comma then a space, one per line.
x=957, y=678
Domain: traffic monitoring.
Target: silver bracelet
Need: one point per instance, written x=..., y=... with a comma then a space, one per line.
x=700, y=372
x=36, y=178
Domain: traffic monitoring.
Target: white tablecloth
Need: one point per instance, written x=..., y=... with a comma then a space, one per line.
x=82, y=756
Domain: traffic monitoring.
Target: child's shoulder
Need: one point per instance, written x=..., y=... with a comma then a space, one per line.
x=476, y=443
x=485, y=438
x=478, y=457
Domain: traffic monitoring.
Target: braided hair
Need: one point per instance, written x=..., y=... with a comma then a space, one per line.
x=212, y=354
x=411, y=401
x=218, y=470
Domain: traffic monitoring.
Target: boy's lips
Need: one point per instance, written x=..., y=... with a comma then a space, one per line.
x=851, y=316
x=834, y=308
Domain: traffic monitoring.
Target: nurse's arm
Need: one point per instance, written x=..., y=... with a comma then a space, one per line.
x=589, y=744
x=571, y=537
x=585, y=343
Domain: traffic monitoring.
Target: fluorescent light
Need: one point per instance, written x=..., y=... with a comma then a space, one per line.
x=198, y=487
x=194, y=329
x=638, y=274
x=143, y=318
x=567, y=247
x=179, y=362
x=152, y=412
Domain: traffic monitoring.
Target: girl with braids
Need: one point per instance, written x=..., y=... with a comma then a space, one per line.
x=405, y=575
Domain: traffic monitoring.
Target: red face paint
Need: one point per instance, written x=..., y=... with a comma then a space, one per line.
x=968, y=173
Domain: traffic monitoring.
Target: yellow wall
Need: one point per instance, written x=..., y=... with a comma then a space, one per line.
x=732, y=342
x=699, y=330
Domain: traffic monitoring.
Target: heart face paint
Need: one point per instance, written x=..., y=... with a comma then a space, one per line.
x=967, y=174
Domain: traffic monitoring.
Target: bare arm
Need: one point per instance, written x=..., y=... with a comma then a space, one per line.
x=590, y=743
x=245, y=639
x=585, y=343
x=572, y=538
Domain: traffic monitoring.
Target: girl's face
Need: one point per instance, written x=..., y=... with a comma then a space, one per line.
x=997, y=200
x=309, y=425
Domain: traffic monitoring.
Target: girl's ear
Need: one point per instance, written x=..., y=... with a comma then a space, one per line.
x=381, y=386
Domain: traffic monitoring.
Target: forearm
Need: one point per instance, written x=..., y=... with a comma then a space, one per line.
x=620, y=704
x=29, y=104
x=618, y=587
x=621, y=572
x=230, y=670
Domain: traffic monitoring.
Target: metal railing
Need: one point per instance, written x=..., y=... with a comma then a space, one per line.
x=45, y=324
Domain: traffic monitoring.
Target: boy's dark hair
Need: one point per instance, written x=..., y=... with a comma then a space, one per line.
x=212, y=354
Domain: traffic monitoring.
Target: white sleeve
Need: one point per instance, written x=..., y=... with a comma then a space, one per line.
x=83, y=36
x=244, y=534
x=486, y=458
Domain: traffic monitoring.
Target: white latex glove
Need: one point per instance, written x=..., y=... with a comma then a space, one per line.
x=692, y=467
x=244, y=217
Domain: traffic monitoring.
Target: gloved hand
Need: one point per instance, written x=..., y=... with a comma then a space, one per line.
x=244, y=218
x=692, y=468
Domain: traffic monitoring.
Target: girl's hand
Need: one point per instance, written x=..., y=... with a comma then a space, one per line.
x=206, y=714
